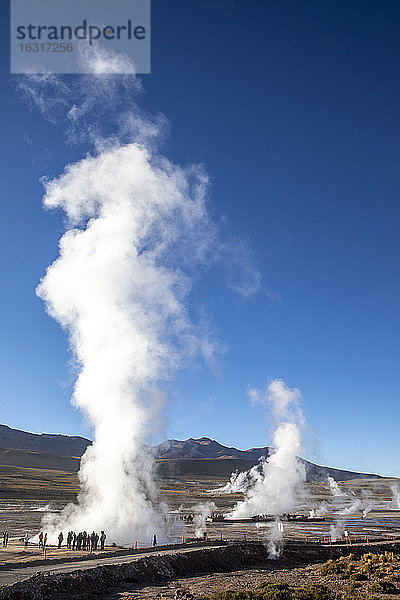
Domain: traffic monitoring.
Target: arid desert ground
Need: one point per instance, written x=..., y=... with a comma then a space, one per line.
x=365, y=510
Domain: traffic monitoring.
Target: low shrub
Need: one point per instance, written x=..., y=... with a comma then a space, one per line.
x=313, y=592
x=358, y=577
x=333, y=567
x=274, y=591
x=384, y=587
x=341, y=566
x=233, y=595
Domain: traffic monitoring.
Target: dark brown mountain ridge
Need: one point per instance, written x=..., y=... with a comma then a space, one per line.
x=201, y=456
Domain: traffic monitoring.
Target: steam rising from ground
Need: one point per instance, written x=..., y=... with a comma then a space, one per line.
x=201, y=512
x=320, y=511
x=137, y=225
x=121, y=298
x=276, y=484
x=350, y=503
x=334, y=487
x=275, y=539
x=395, y=489
x=240, y=481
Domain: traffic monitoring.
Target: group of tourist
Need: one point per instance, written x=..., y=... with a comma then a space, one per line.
x=80, y=541
x=83, y=540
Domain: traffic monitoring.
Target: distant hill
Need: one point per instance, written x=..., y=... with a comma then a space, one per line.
x=181, y=455
x=38, y=460
x=61, y=445
x=206, y=448
x=202, y=456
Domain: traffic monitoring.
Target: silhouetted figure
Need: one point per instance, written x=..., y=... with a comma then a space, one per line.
x=92, y=540
x=69, y=539
x=5, y=539
x=154, y=540
x=74, y=541
x=102, y=540
x=26, y=540
x=60, y=539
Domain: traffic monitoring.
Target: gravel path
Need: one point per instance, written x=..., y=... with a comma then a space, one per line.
x=20, y=574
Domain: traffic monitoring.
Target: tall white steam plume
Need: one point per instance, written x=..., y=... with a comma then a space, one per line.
x=120, y=297
x=136, y=226
x=279, y=480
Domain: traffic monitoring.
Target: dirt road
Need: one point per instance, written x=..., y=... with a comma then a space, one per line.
x=22, y=572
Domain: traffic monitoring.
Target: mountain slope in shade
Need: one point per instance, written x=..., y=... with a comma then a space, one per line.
x=61, y=445
x=32, y=459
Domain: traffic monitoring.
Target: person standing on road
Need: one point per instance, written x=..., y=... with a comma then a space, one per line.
x=102, y=540
x=60, y=539
x=5, y=539
x=154, y=540
x=26, y=540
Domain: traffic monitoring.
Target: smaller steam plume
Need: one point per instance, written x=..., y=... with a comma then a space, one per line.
x=201, y=512
x=334, y=487
x=241, y=481
x=276, y=483
x=395, y=489
x=320, y=511
x=355, y=506
x=353, y=503
x=275, y=540
x=337, y=530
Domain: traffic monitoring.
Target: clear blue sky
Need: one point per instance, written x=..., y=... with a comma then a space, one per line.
x=293, y=108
